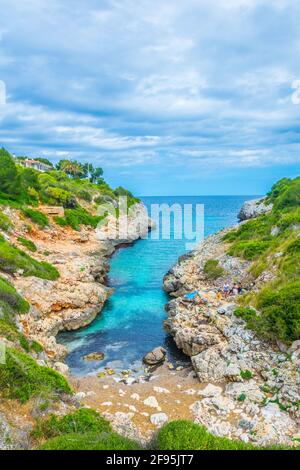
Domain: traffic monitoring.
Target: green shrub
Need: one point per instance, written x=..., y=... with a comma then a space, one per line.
x=10, y=299
x=12, y=259
x=246, y=374
x=36, y=347
x=85, y=195
x=9, y=178
x=60, y=196
x=91, y=441
x=279, y=312
x=5, y=222
x=27, y=243
x=36, y=217
x=186, y=435
x=212, y=269
x=290, y=197
x=246, y=313
x=294, y=248
x=81, y=421
x=253, y=229
x=21, y=377
x=249, y=249
x=242, y=397
x=9, y=331
x=76, y=217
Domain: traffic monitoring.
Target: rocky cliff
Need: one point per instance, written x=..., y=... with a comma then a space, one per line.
x=252, y=387
x=79, y=294
x=254, y=208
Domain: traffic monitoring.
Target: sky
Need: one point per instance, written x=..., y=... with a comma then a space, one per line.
x=170, y=97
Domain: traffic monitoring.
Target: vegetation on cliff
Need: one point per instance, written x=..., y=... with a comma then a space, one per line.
x=24, y=193
x=13, y=259
x=272, y=243
x=186, y=435
x=21, y=377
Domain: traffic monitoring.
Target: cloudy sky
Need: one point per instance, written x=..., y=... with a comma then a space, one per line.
x=169, y=96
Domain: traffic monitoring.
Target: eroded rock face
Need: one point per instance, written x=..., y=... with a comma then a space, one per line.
x=245, y=373
x=127, y=228
x=254, y=208
x=78, y=296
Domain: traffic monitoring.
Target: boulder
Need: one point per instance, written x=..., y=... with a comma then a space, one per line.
x=210, y=391
x=151, y=402
x=159, y=419
x=254, y=208
x=155, y=357
x=61, y=368
x=95, y=356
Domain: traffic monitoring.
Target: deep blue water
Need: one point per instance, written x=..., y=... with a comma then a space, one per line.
x=131, y=322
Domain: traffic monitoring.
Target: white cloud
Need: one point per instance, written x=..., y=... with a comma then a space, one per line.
x=152, y=83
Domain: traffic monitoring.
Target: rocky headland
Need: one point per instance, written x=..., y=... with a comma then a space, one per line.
x=252, y=386
x=82, y=259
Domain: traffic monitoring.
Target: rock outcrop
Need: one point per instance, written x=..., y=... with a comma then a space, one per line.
x=254, y=208
x=259, y=384
x=78, y=296
x=155, y=357
x=128, y=227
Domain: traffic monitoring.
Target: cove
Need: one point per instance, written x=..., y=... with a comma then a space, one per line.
x=131, y=323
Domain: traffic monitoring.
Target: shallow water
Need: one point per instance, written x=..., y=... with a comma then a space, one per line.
x=131, y=322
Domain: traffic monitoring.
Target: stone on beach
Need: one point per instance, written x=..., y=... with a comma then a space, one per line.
x=159, y=419
x=95, y=356
x=155, y=357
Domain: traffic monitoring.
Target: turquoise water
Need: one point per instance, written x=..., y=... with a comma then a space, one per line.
x=131, y=322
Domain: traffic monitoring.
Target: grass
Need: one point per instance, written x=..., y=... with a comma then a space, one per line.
x=13, y=259
x=91, y=441
x=278, y=312
x=9, y=331
x=28, y=244
x=277, y=304
x=85, y=429
x=36, y=217
x=22, y=378
x=246, y=374
x=81, y=421
x=249, y=249
x=10, y=301
x=186, y=435
x=212, y=269
x=5, y=222
x=76, y=217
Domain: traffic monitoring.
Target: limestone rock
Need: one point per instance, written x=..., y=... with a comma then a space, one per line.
x=210, y=391
x=151, y=402
x=155, y=357
x=95, y=356
x=254, y=208
x=159, y=419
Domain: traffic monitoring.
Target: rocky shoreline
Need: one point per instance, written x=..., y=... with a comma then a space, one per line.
x=252, y=387
x=78, y=296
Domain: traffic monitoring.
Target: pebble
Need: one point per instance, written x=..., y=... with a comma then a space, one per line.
x=159, y=419
x=161, y=390
x=135, y=396
x=151, y=402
